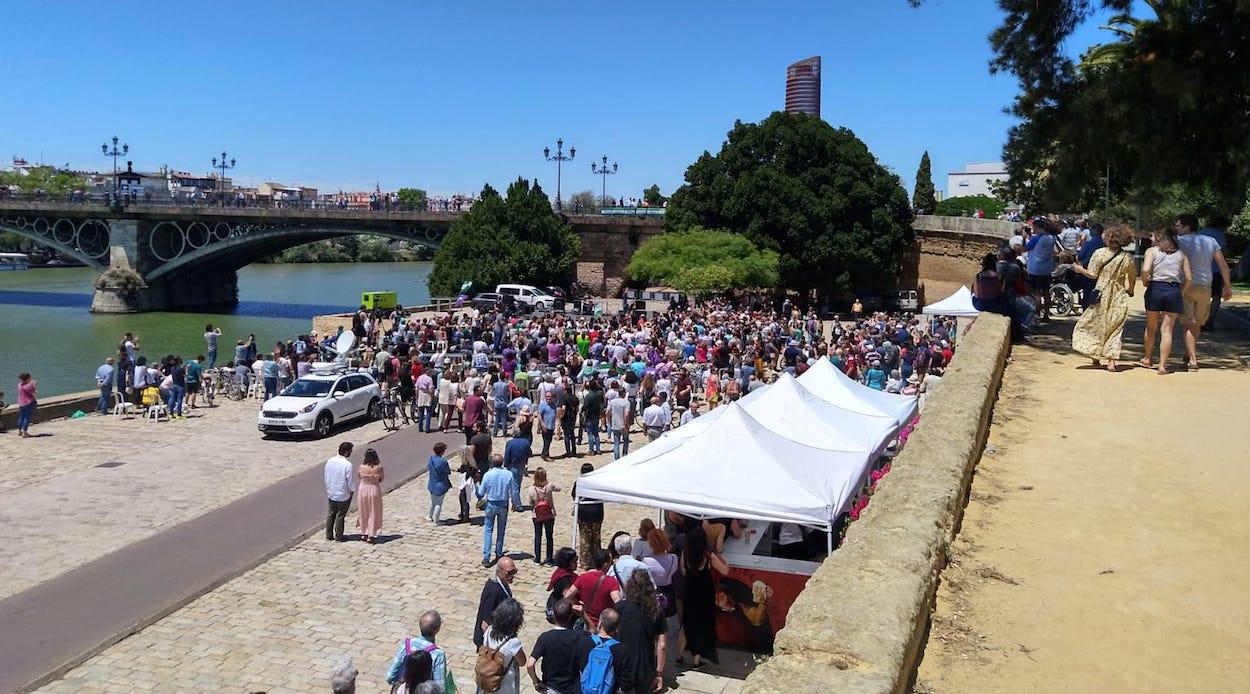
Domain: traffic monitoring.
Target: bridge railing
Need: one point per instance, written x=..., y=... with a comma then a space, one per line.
x=127, y=201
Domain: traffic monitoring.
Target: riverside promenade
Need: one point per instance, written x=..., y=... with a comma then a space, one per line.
x=263, y=609
x=1103, y=548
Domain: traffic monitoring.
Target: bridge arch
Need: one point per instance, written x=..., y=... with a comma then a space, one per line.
x=86, y=240
x=198, y=245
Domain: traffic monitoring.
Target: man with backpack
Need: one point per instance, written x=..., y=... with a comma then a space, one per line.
x=562, y=651
x=429, y=624
x=598, y=656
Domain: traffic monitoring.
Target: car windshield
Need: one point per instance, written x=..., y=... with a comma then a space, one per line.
x=307, y=388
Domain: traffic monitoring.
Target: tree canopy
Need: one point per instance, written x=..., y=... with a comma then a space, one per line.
x=699, y=261
x=411, y=198
x=45, y=178
x=966, y=205
x=812, y=193
x=512, y=238
x=1161, y=103
x=652, y=196
x=924, y=197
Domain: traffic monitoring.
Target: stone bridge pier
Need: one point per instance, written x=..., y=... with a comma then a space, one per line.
x=132, y=282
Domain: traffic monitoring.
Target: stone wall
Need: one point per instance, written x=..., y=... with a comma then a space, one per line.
x=52, y=407
x=947, y=260
x=606, y=250
x=859, y=624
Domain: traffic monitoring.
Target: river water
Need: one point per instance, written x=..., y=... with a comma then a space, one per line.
x=47, y=329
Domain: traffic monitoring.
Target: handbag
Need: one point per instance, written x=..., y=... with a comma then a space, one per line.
x=1095, y=295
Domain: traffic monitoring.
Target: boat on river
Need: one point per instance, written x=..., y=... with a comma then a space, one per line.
x=14, y=261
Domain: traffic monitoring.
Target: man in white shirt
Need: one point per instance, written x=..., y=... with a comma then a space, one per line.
x=340, y=479
x=693, y=411
x=653, y=420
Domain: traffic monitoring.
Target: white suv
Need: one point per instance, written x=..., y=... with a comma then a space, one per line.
x=319, y=401
x=527, y=295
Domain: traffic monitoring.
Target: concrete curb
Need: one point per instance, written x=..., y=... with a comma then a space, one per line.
x=860, y=624
x=52, y=407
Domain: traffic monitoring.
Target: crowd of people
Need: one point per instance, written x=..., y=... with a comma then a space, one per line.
x=1184, y=273
x=617, y=607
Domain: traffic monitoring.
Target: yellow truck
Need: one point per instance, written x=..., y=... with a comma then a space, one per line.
x=372, y=300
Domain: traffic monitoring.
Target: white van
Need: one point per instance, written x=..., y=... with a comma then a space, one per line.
x=527, y=295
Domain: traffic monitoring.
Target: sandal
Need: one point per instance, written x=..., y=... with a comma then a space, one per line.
x=1145, y=363
x=1192, y=366
x=1163, y=370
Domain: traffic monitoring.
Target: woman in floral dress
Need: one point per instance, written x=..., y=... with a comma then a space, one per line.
x=1099, y=333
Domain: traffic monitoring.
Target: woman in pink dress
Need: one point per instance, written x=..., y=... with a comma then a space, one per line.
x=370, y=496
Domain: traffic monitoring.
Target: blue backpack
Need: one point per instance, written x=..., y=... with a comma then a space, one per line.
x=599, y=675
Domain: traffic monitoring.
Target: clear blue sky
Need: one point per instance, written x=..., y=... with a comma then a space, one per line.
x=447, y=96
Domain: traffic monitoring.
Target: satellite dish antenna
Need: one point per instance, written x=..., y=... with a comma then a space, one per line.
x=345, y=343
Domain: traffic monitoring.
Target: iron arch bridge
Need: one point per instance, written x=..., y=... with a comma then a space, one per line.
x=177, y=246
x=85, y=239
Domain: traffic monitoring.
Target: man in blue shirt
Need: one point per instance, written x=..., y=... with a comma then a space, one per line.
x=430, y=623
x=547, y=413
x=495, y=488
x=516, y=456
x=501, y=393
x=104, y=381
x=1043, y=248
x=1093, y=243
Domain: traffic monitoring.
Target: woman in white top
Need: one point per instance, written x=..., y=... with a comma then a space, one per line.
x=505, y=625
x=1165, y=272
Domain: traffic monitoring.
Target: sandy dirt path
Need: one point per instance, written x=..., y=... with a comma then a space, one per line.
x=1106, y=544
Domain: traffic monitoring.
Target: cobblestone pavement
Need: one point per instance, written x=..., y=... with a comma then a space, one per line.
x=60, y=510
x=281, y=627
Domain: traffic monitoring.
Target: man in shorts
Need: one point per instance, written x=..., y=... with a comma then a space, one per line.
x=1205, y=257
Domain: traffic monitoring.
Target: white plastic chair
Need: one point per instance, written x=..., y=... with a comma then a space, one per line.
x=155, y=412
x=122, y=406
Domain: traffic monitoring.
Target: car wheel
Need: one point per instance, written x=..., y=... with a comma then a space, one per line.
x=324, y=423
x=375, y=409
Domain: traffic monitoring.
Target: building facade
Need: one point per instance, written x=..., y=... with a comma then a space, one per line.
x=803, y=87
x=977, y=178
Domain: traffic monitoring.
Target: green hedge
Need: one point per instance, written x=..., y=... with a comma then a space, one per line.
x=967, y=205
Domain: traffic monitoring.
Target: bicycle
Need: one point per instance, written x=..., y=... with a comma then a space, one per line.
x=230, y=386
x=393, y=410
x=208, y=388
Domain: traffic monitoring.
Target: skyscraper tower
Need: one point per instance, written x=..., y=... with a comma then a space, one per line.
x=803, y=87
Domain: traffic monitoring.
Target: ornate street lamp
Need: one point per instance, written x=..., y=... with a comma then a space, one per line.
x=222, y=168
x=559, y=159
x=604, y=172
x=115, y=153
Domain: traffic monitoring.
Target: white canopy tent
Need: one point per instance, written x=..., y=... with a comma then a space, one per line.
x=702, y=422
x=957, y=304
x=737, y=467
x=830, y=384
x=793, y=411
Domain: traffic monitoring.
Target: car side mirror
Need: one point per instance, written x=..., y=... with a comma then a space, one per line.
x=337, y=393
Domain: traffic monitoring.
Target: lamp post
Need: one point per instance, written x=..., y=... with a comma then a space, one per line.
x=115, y=153
x=222, y=166
x=604, y=172
x=559, y=159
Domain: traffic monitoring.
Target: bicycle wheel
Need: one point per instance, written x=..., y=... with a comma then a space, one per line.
x=236, y=392
x=388, y=416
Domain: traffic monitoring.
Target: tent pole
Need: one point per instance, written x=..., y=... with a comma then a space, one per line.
x=576, y=503
x=829, y=539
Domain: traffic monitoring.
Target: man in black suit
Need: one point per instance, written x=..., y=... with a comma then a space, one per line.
x=496, y=590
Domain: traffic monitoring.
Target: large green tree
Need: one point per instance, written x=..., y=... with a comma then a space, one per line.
x=812, y=193
x=45, y=178
x=652, y=196
x=924, y=197
x=512, y=238
x=1162, y=102
x=698, y=261
x=411, y=198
